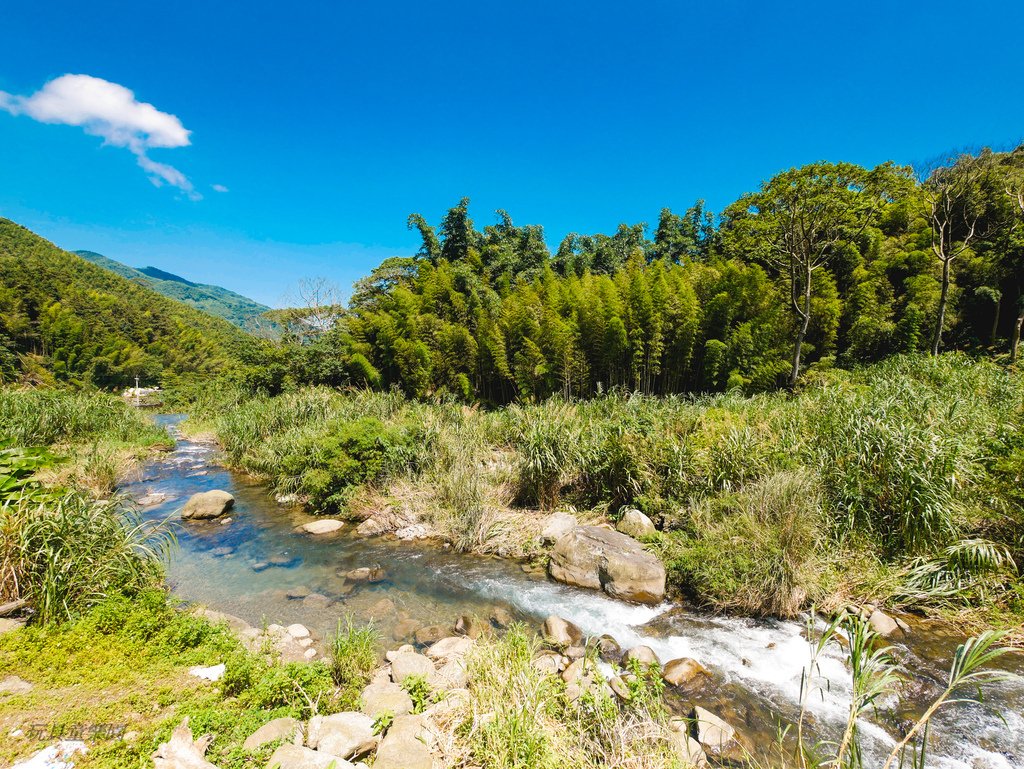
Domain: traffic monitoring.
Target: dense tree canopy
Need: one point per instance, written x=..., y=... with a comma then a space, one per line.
x=828, y=264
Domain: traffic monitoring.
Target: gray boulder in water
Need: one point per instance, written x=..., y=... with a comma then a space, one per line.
x=599, y=558
x=207, y=505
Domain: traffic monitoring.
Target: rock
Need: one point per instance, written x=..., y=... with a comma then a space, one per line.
x=715, y=735
x=283, y=561
x=405, y=664
x=309, y=653
x=181, y=751
x=299, y=591
x=574, y=671
x=454, y=647
x=643, y=654
x=152, y=500
x=452, y=675
x=382, y=608
x=635, y=524
x=557, y=526
x=385, y=698
x=430, y=634
x=322, y=526
x=470, y=626
x=902, y=625
x=548, y=663
x=7, y=625
x=15, y=685
x=501, y=617
x=590, y=556
x=405, y=628
x=883, y=624
x=278, y=729
x=416, y=531
x=684, y=672
x=609, y=648
x=688, y=749
x=619, y=687
x=576, y=652
x=206, y=505
x=317, y=601
x=259, y=566
x=370, y=574
x=212, y=673
x=297, y=631
x=222, y=552
x=404, y=746
x=299, y=757
x=349, y=735
x=384, y=522
x=236, y=625
x=560, y=632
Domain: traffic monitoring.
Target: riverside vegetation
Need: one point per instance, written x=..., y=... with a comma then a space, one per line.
x=485, y=383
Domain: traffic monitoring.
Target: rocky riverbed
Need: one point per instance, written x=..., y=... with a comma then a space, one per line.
x=261, y=562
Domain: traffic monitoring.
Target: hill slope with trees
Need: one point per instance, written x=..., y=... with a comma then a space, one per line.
x=63, y=319
x=215, y=300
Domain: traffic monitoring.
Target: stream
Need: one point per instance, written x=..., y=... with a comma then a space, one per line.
x=248, y=567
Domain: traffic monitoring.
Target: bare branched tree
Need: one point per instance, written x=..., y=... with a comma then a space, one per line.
x=314, y=309
x=955, y=207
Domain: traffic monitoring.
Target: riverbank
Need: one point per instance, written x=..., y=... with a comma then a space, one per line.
x=896, y=486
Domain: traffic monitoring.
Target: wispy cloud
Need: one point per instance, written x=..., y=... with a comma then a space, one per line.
x=219, y=188
x=112, y=112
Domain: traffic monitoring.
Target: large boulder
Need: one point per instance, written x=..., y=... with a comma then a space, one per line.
x=322, y=526
x=454, y=647
x=635, y=524
x=380, y=698
x=645, y=655
x=297, y=757
x=348, y=735
x=406, y=664
x=884, y=625
x=560, y=632
x=278, y=729
x=684, y=672
x=404, y=746
x=714, y=734
x=595, y=557
x=207, y=505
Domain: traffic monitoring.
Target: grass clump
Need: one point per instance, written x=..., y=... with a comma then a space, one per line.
x=353, y=651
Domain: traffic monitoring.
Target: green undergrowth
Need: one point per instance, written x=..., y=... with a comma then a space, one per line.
x=899, y=482
x=125, y=663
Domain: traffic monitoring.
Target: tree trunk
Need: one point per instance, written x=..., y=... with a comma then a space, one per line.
x=943, y=297
x=802, y=334
x=995, y=320
x=1016, y=338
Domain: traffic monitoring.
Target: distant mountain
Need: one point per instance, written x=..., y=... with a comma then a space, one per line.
x=65, y=319
x=215, y=300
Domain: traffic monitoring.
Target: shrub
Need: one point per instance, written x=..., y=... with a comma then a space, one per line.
x=754, y=551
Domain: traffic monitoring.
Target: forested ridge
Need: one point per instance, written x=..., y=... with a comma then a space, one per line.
x=215, y=300
x=65, y=320
x=838, y=263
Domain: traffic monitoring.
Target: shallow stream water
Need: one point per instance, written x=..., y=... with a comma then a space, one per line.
x=249, y=566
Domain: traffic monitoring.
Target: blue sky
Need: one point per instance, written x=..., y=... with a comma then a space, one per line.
x=328, y=123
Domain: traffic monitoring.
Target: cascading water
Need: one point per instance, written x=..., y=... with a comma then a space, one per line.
x=260, y=568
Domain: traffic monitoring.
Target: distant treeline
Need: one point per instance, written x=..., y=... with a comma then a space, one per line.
x=828, y=264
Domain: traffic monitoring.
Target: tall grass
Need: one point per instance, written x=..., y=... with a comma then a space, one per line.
x=61, y=417
x=65, y=552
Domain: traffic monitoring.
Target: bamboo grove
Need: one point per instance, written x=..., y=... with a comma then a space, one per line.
x=828, y=264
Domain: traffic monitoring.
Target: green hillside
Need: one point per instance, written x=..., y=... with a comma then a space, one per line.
x=215, y=300
x=65, y=319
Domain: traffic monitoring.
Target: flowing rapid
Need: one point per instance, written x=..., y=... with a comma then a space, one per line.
x=261, y=568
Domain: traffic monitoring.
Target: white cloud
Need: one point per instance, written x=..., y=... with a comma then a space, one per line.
x=112, y=112
x=219, y=188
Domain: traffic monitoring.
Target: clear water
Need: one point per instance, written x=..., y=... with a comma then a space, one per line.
x=757, y=665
